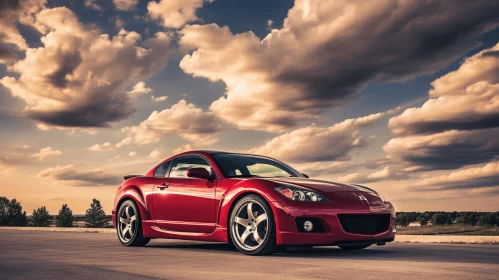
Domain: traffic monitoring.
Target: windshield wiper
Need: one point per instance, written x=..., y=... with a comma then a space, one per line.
x=244, y=176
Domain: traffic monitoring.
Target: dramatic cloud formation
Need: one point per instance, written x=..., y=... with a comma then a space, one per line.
x=11, y=13
x=446, y=150
x=78, y=78
x=46, y=153
x=465, y=99
x=458, y=125
x=76, y=177
x=326, y=52
x=313, y=143
x=175, y=13
x=471, y=178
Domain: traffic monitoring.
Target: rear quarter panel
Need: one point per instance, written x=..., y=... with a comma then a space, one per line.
x=139, y=189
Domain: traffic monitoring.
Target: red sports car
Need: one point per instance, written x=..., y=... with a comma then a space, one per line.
x=253, y=202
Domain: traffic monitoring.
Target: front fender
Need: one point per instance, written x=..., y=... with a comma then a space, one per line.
x=260, y=187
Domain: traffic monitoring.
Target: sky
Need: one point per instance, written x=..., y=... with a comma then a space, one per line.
x=398, y=95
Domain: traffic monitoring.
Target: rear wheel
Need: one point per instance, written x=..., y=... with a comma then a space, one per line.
x=129, y=227
x=354, y=247
x=252, y=226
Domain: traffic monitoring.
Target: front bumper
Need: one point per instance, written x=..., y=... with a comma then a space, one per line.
x=288, y=234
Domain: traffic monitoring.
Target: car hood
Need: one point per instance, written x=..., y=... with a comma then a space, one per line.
x=320, y=185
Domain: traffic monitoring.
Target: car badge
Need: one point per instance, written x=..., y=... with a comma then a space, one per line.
x=361, y=197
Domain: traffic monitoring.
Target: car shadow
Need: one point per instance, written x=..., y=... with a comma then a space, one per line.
x=412, y=252
x=301, y=252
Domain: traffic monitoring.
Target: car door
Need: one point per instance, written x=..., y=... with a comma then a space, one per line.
x=185, y=204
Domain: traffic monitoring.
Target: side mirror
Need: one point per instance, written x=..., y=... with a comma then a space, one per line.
x=305, y=175
x=198, y=172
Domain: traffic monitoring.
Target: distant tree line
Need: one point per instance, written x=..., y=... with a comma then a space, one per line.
x=12, y=214
x=449, y=218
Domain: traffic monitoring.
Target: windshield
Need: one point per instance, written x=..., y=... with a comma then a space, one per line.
x=238, y=165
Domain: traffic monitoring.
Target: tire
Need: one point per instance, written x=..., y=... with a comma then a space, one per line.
x=251, y=227
x=354, y=247
x=129, y=229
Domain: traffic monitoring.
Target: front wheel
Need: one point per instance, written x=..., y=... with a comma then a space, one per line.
x=354, y=247
x=129, y=227
x=252, y=226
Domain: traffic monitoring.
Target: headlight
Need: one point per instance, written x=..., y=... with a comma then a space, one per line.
x=299, y=194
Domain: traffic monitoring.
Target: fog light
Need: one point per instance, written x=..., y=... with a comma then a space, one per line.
x=308, y=226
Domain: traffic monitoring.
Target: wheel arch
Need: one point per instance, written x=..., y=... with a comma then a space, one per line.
x=133, y=193
x=235, y=198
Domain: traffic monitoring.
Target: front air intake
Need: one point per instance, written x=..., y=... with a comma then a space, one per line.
x=367, y=224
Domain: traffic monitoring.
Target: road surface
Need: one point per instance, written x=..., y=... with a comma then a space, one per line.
x=69, y=255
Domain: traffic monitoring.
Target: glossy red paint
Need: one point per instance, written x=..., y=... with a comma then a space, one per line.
x=199, y=209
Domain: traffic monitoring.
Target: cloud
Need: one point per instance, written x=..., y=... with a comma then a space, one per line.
x=92, y=5
x=326, y=52
x=321, y=168
x=269, y=24
x=157, y=153
x=158, y=98
x=386, y=174
x=465, y=99
x=119, y=23
x=446, y=150
x=125, y=5
x=106, y=147
x=15, y=12
x=138, y=89
x=458, y=125
x=132, y=154
x=76, y=177
x=486, y=176
x=46, y=153
x=184, y=119
x=79, y=76
x=175, y=14
x=182, y=148
x=72, y=131
x=313, y=143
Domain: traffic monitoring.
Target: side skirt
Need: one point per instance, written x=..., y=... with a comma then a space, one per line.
x=151, y=230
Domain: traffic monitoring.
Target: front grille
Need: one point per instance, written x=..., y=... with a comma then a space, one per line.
x=364, y=224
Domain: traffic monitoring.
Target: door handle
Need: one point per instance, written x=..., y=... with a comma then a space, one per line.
x=163, y=186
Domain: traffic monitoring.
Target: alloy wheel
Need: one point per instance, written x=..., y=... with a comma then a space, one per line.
x=250, y=225
x=127, y=224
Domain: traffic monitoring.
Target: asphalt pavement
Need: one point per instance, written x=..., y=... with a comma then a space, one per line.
x=70, y=255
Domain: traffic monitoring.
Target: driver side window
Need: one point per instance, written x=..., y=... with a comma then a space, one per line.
x=180, y=166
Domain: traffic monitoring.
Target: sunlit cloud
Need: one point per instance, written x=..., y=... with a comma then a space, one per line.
x=458, y=125
x=79, y=76
x=175, y=14
x=46, y=153
x=326, y=52
x=313, y=143
x=486, y=176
